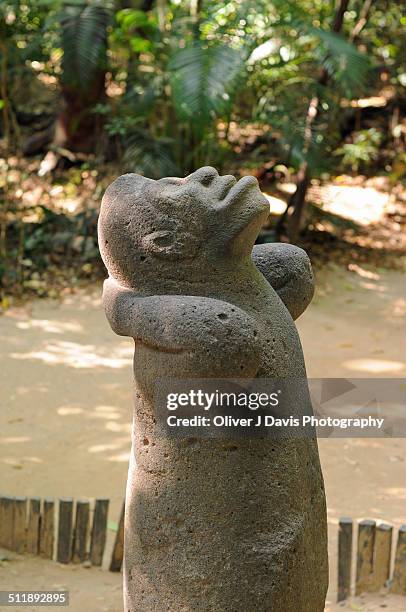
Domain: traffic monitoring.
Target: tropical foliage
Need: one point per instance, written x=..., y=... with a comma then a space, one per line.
x=164, y=86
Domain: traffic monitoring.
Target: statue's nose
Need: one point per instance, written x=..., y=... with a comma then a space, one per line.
x=204, y=175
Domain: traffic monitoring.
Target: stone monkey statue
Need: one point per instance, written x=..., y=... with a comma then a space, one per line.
x=211, y=526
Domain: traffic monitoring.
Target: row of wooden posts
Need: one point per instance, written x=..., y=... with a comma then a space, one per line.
x=78, y=535
x=373, y=558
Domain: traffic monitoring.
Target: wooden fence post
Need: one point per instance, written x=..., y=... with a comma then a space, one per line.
x=64, y=547
x=118, y=550
x=7, y=522
x=344, y=558
x=382, y=557
x=399, y=574
x=47, y=536
x=33, y=527
x=99, y=531
x=81, y=531
x=365, y=555
x=20, y=524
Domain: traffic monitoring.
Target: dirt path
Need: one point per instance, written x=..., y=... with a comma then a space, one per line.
x=66, y=405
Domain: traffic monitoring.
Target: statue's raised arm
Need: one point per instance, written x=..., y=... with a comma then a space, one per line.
x=194, y=325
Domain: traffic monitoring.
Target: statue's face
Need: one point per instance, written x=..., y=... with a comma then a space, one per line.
x=205, y=190
x=201, y=216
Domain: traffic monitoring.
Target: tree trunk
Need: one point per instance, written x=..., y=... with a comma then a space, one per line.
x=77, y=126
x=298, y=198
x=4, y=94
x=297, y=201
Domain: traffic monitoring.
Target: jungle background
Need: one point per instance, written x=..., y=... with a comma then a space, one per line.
x=308, y=96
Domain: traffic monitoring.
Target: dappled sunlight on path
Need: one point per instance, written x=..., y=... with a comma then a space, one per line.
x=66, y=400
x=363, y=205
x=77, y=355
x=355, y=327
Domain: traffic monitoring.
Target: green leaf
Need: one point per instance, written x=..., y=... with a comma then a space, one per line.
x=84, y=42
x=139, y=44
x=344, y=63
x=132, y=18
x=203, y=79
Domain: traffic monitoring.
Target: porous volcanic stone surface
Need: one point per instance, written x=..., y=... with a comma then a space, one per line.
x=211, y=525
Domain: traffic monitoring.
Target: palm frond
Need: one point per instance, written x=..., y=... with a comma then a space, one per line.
x=84, y=41
x=345, y=64
x=202, y=79
x=148, y=155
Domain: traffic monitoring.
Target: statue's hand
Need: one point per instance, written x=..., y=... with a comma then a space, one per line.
x=288, y=270
x=117, y=302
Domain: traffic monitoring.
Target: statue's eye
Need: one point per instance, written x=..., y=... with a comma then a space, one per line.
x=163, y=238
x=159, y=240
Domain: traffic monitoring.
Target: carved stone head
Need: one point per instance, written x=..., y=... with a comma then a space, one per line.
x=148, y=226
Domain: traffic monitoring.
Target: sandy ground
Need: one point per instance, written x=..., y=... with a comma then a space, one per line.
x=66, y=410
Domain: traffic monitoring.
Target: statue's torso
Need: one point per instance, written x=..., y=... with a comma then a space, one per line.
x=222, y=504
